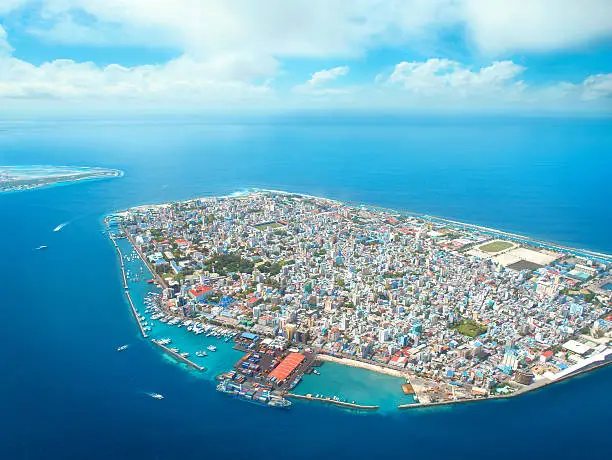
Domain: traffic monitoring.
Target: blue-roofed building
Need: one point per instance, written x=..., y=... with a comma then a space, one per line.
x=249, y=336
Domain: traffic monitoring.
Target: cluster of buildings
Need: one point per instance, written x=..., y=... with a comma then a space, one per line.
x=463, y=313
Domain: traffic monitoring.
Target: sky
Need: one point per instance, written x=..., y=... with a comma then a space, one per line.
x=520, y=56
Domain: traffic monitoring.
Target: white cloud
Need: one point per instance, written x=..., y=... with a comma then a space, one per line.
x=324, y=76
x=443, y=77
x=318, y=28
x=319, y=79
x=231, y=47
x=597, y=87
x=536, y=25
x=219, y=80
x=592, y=89
x=443, y=84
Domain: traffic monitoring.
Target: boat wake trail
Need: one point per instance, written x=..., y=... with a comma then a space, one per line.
x=60, y=226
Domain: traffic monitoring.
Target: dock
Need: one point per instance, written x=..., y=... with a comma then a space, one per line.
x=129, y=297
x=178, y=357
x=347, y=405
x=142, y=257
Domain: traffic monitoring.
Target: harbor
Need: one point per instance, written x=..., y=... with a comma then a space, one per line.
x=335, y=402
x=178, y=356
x=344, y=384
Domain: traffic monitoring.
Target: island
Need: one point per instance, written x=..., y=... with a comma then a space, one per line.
x=20, y=178
x=461, y=312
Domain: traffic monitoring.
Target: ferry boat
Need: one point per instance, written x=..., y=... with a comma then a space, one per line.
x=211, y=348
x=259, y=396
x=122, y=347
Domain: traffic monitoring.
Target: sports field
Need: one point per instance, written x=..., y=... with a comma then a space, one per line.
x=496, y=246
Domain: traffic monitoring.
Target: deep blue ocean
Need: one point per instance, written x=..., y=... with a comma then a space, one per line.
x=65, y=393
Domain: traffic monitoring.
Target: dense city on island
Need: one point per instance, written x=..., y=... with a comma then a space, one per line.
x=461, y=312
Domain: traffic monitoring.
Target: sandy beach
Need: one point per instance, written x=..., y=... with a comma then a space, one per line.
x=371, y=367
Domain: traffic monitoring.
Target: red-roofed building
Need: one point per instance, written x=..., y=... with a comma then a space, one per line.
x=546, y=356
x=252, y=301
x=200, y=293
x=181, y=242
x=286, y=367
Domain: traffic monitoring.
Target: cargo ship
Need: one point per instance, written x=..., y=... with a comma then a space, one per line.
x=256, y=395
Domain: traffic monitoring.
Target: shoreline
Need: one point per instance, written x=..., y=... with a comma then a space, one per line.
x=61, y=176
x=361, y=365
x=525, y=390
x=379, y=367
x=476, y=227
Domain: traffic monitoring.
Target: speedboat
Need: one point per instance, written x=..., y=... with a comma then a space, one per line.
x=201, y=353
x=156, y=395
x=211, y=348
x=122, y=347
x=41, y=247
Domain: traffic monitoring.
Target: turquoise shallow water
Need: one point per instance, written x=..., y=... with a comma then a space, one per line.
x=67, y=394
x=354, y=384
x=215, y=363
x=349, y=383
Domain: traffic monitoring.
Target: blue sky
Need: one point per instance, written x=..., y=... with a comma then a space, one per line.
x=411, y=55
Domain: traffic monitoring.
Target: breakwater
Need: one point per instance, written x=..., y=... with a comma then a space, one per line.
x=136, y=315
x=345, y=404
x=178, y=357
x=125, y=282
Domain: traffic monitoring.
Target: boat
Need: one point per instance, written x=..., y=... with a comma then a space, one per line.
x=201, y=353
x=156, y=395
x=122, y=347
x=316, y=372
x=60, y=226
x=211, y=348
x=259, y=396
x=41, y=247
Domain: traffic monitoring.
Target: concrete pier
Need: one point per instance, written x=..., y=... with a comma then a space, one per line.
x=347, y=405
x=178, y=357
x=142, y=331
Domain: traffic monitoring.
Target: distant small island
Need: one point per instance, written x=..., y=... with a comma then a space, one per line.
x=20, y=178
